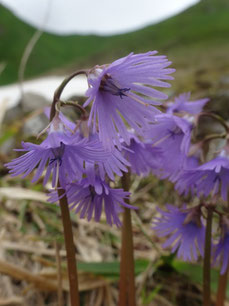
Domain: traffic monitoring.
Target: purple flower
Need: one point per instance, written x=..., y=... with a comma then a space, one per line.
x=182, y=104
x=89, y=200
x=62, y=156
x=172, y=135
x=124, y=89
x=142, y=156
x=115, y=163
x=185, y=228
x=211, y=177
x=222, y=248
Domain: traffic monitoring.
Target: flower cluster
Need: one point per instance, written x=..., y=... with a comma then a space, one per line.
x=126, y=129
x=185, y=163
x=82, y=159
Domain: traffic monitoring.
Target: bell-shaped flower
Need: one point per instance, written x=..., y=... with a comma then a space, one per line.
x=89, y=200
x=182, y=104
x=209, y=178
x=172, y=135
x=142, y=155
x=185, y=230
x=62, y=156
x=123, y=90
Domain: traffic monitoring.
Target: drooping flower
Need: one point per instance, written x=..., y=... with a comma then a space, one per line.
x=113, y=163
x=142, y=156
x=182, y=104
x=222, y=248
x=185, y=230
x=125, y=88
x=209, y=178
x=89, y=200
x=172, y=135
x=61, y=155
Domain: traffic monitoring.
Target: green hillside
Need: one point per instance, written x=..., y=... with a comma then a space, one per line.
x=196, y=37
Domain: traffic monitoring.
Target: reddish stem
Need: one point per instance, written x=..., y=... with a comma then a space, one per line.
x=127, y=276
x=70, y=249
x=222, y=288
x=60, y=89
x=207, y=260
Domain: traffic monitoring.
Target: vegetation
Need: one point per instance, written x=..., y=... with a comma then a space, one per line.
x=199, y=35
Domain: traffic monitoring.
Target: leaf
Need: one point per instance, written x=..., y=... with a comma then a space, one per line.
x=195, y=271
x=110, y=268
x=147, y=299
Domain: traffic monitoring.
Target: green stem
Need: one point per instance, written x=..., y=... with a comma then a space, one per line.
x=70, y=249
x=222, y=288
x=127, y=276
x=207, y=259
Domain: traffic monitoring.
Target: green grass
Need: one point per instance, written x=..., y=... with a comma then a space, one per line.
x=199, y=34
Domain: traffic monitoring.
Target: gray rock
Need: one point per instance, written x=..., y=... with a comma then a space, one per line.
x=34, y=125
x=32, y=102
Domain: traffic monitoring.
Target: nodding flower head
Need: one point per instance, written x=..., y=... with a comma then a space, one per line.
x=185, y=230
x=209, y=178
x=124, y=90
x=62, y=155
x=182, y=104
x=89, y=200
x=172, y=135
x=108, y=85
x=142, y=155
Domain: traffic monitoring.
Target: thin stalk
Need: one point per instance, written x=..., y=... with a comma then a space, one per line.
x=70, y=249
x=127, y=276
x=78, y=106
x=207, y=259
x=222, y=288
x=60, y=89
x=216, y=117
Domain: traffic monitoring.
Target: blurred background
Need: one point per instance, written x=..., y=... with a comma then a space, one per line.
x=40, y=43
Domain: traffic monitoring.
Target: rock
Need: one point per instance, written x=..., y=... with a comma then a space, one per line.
x=34, y=125
x=13, y=113
x=32, y=101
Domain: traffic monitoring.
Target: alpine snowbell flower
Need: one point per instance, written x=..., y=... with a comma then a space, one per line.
x=172, y=135
x=124, y=90
x=142, y=156
x=89, y=200
x=185, y=228
x=114, y=163
x=61, y=155
x=211, y=177
x=182, y=104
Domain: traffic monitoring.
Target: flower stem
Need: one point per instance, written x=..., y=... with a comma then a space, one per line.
x=60, y=89
x=84, y=114
x=70, y=249
x=216, y=117
x=222, y=288
x=127, y=276
x=207, y=259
